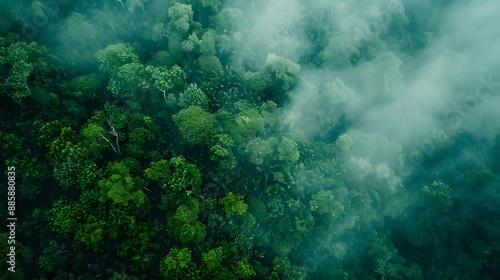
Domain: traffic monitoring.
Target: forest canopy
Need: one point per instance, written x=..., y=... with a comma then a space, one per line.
x=281, y=139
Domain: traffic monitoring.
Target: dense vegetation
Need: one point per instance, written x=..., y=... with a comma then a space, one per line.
x=212, y=139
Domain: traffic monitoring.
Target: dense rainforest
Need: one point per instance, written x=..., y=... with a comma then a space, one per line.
x=250, y=139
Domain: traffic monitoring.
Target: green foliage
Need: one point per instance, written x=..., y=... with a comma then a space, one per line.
x=283, y=72
x=53, y=257
x=79, y=40
x=324, y=203
x=76, y=168
x=177, y=174
x=233, y=204
x=120, y=187
x=258, y=150
x=194, y=232
x=184, y=176
x=164, y=79
x=24, y=66
x=288, y=151
x=208, y=42
x=437, y=196
x=193, y=96
x=257, y=82
x=283, y=266
x=244, y=270
x=476, y=178
x=114, y=56
x=178, y=265
x=229, y=20
x=344, y=142
x=181, y=17
x=390, y=265
x=244, y=125
x=213, y=4
x=195, y=124
x=213, y=258
x=221, y=151
x=158, y=171
x=210, y=65
x=85, y=85
x=71, y=217
x=74, y=162
x=128, y=78
x=162, y=58
x=336, y=92
x=107, y=173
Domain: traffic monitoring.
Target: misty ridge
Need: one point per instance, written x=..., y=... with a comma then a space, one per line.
x=281, y=139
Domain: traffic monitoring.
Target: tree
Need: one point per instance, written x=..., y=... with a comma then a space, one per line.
x=184, y=176
x=340, y=52
x=288, y=151
x=244, y=270
x=181, y=17
x=213, y=258
x=283, y=75
x=437, y=196
x=79, y=39
x=85, y=86
x=221, y=151
x=165, y=79
x=336, y=92
x=324, y=203
x=178, y=265
x=53, y=257
x=258, y=150
x=210, y=66
x=193, y=232
x=244, y=125
x=128, y=79
x=24, y=67
x=228, y=21
x=114, y=56
x=195, y=124
x=177, y=174
x=233, y=204
x=213, y=4
x=283, y=266
x=75, y=218
x=119, y=186
x=158, y=171
x=384, y=76
x=208, y=42
x=74, y=163
x=193, y=96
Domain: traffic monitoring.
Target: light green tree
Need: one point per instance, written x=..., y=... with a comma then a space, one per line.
x=195, y=124
x=114, y=56
x=258, y=150
x=288, y=151
x=233, y=204
x=244, y=270
x=283, y=72
x=119, y=186
x=193, y=96
x=178, y=265
x=181, y=20
x=324, y=203
x=213, y=258
x=128, y=79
